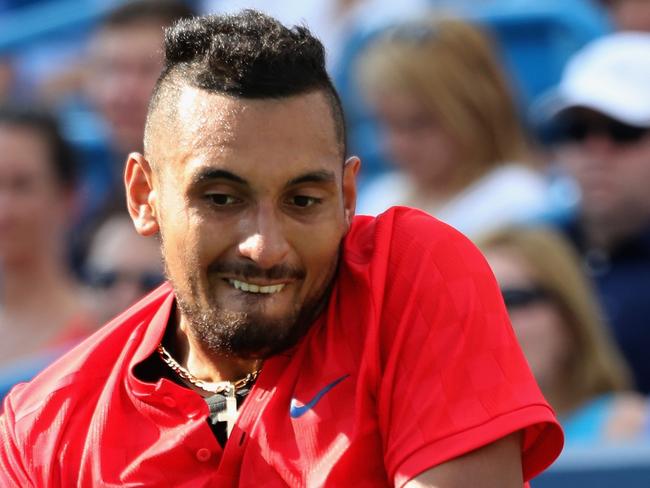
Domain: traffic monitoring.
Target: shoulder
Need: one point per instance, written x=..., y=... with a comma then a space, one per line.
x=510, y=184
x=395, y=224
x=516, y=173
x=403, y=235
x=438, y=334
x=406, y=260
x=507, y=194
x=407, y=256
x=79, y=375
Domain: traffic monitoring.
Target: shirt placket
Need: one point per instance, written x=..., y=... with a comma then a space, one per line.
x=191, y=413
x=249, y=414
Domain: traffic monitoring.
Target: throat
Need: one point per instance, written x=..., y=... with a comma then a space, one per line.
x=202, y=367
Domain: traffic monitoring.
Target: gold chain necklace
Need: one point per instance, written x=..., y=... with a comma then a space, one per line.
x=218, y=387
x=229, y=388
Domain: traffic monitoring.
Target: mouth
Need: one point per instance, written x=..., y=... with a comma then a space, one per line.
x=254, y=288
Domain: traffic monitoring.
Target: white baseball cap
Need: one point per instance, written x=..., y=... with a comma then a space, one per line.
x=610, y=75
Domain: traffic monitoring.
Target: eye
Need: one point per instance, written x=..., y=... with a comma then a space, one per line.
x=23, y=184
x=304, y=201
x=222, y=199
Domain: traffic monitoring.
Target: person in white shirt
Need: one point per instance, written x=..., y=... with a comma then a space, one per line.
x=451, y=128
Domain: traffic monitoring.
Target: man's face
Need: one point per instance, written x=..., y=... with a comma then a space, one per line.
x=33, y=206
x=252, y=203
x=630, y=15
x=611, y=167
x=122, y=266
x=415, y=140
x=125, y=63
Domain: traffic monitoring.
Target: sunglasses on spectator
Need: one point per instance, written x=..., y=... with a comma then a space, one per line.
x=520, y=297
x=578, y=129
x=107, y=279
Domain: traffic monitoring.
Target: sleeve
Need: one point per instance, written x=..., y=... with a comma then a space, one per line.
x=12, y=470
x=453, y=377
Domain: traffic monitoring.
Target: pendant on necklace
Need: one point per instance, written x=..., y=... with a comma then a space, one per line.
x=230, y=414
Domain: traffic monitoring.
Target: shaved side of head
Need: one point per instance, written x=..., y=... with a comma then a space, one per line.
x=246, y=56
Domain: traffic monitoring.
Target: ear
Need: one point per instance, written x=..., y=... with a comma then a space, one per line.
x=141, y=197
x=350, y=171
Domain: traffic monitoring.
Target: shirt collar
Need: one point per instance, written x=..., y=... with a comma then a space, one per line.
x=149, y=332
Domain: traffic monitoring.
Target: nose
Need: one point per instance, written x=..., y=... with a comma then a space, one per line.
x=397, y=142
x=598, y=144
x=265, y=243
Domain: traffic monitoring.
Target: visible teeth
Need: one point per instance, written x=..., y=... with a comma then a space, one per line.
x=251, y=288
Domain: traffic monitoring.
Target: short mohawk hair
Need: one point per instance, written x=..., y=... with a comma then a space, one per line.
x=249, y=55
x=246, y=55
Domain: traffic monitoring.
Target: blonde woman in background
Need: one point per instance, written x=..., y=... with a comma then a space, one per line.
x=559, y=326
x=450, y=126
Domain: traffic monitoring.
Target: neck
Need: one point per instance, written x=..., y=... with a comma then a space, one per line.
x=202, y=363
x=607, y=234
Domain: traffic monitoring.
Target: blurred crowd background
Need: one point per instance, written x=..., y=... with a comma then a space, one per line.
x=523, y=123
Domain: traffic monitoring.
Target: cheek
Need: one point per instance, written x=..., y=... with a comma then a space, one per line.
x=318, y=250
x=103, y=91
x=633, y=168
x=541, y=333
x=430, y=153
x=528, y=329
x=180, y=245
x=632, y=15
x=570, y=160
x=43, y=214
x=31, y=224
x=441, y=148
x=398, y=146
x=198, y=243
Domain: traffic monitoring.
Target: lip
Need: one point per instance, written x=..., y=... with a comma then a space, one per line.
x=248, y=287
x=257, y=282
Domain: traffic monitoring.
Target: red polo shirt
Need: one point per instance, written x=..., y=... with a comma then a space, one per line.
x=413, y=363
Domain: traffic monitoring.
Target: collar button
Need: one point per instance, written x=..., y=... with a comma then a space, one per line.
x=203, y=454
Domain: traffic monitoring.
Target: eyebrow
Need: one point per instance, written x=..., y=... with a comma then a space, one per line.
x=314, y=177
x=210, y=174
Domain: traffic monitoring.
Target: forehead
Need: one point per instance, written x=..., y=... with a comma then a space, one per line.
x=117, y=245
x=508, y=265
x=137, y=40
x=399, y=98
x=276, y=136
x=23, y=150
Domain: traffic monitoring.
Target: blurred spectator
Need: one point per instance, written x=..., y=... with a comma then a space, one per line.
x=629, y=15
x=41, y=305
x=124, y=62
x=7, y=78
x=332, y=21
x=122, y=266
x=601, y=117
x=451, y=127
x=559, y=326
